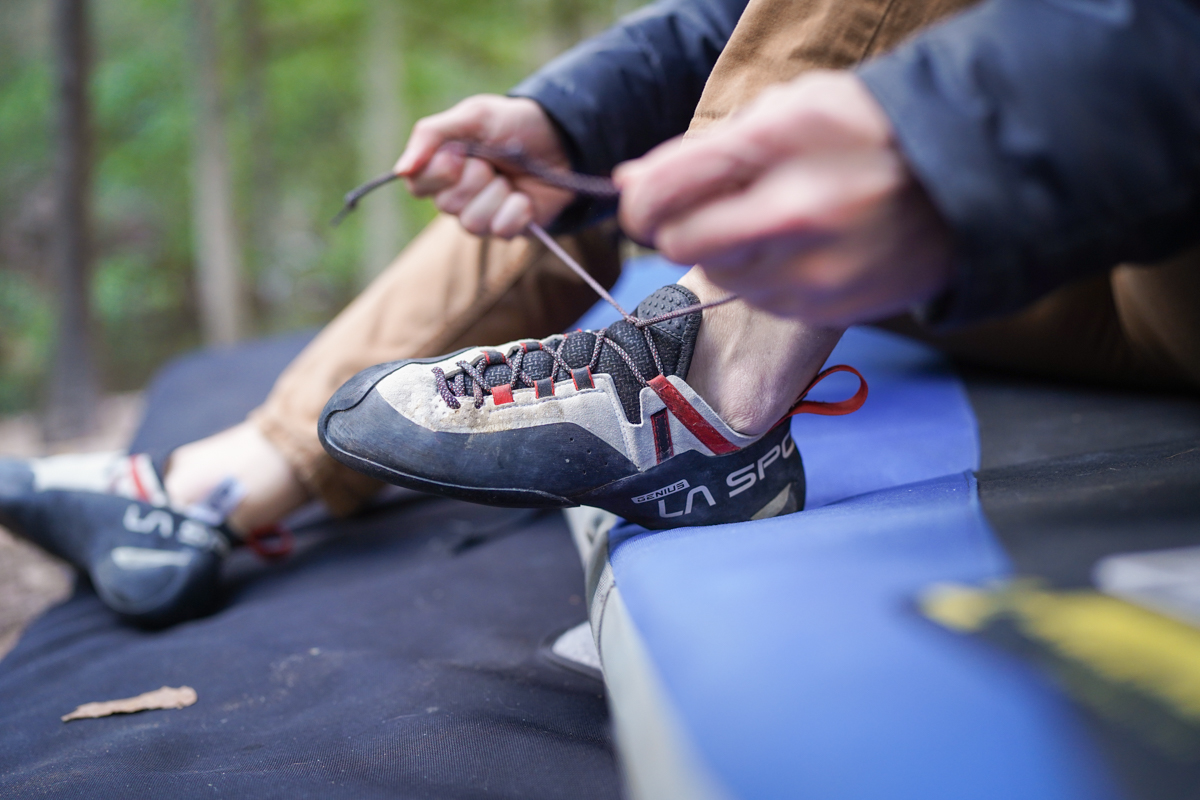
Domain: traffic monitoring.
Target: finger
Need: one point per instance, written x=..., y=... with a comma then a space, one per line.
x=477, y=216
x=442, y=171
x=546, y=202
x=476, y=175
x=808, y=200
x=629, y=170
x=834, y=282
x=674, y=181
x=514, y=216
x=464, y=121
x=770, y=275
x=719, y=230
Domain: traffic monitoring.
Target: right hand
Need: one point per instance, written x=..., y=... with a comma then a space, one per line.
x=802, y=204
x=485, y=200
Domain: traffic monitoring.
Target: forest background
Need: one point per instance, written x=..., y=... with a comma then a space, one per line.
x=293, y=102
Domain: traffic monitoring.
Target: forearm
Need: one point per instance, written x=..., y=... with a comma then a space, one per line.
x=1056, y=139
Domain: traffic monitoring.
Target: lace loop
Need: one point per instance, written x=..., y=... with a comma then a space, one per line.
x=453, y=387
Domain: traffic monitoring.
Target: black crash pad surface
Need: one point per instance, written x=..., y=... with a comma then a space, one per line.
x=394, y=655
x=1073, y=475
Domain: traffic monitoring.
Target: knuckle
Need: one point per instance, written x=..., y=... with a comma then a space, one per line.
x=674, y=249
x=823, y=277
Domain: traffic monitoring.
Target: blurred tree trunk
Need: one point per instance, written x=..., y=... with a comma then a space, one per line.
x=567, y=20
x=73, y=385
x=262, y=166
x=385, y=229
x=218, y=254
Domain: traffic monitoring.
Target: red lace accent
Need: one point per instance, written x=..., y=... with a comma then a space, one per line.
x=271, y=542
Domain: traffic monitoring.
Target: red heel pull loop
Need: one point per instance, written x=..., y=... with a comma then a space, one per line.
x=271, y=542
x=833, y=409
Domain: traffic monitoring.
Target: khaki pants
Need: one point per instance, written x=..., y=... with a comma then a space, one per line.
x=1137, y=326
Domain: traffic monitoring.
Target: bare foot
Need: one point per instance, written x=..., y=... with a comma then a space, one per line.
x=751, y=366
x=242, y=452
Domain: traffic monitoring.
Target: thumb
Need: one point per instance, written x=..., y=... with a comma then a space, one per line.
x=464, y=121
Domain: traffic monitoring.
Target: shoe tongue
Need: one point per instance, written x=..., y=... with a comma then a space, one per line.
x=675, y=337
x=674, y=340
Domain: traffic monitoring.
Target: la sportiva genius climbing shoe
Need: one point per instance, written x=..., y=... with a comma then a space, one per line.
x=107, y=515
x=600, y=418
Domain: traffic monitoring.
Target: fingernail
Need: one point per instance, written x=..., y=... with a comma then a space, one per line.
x=505, y=221
x=405, y=164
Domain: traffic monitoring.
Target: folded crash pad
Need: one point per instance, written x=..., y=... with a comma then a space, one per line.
x=922, y=629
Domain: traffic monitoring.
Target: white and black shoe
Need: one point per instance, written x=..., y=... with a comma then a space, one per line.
x=107, y=514
x=599, y=418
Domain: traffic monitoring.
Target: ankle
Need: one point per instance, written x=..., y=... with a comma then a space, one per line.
x=750, y=366
x=271, y=488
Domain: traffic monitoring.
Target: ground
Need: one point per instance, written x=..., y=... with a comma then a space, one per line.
x=30, y=580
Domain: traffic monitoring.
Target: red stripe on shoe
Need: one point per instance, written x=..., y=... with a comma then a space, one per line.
x=143, y=495
x=502, y=394
x=701, y=428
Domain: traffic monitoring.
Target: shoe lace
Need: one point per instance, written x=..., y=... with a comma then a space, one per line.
x=455, y=386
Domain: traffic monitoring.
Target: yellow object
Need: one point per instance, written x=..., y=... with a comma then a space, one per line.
x=1118, y=641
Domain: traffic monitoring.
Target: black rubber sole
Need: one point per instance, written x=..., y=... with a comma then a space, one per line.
x=356, y=390
x=511, y=498
x=85, y=528
x=360, y=430
x=695, y=489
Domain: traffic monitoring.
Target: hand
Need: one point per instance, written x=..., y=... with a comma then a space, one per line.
x=801, y=204
x=485, y=201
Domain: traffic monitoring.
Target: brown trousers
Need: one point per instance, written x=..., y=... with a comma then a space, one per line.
x=1136, y=326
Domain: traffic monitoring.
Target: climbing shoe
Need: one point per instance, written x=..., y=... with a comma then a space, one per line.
x=600, y=418
x=107, y=515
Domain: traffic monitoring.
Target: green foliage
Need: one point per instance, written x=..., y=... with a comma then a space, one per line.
x=294, y=108
x=26, y=320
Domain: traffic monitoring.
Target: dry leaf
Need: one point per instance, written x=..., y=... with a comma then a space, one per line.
x=166, y=697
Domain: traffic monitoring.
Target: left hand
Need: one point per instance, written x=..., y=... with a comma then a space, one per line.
x=486, y=201
x=800, y=203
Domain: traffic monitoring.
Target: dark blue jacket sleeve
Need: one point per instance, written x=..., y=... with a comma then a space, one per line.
x=636, y=85
x=1057, y=137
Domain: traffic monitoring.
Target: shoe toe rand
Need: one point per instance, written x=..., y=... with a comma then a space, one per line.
x=542, y=466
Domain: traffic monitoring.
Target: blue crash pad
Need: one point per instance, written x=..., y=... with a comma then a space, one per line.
x=791, y=648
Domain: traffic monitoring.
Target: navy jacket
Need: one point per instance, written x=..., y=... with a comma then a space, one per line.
x=620, y=93
x=1057, y=137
